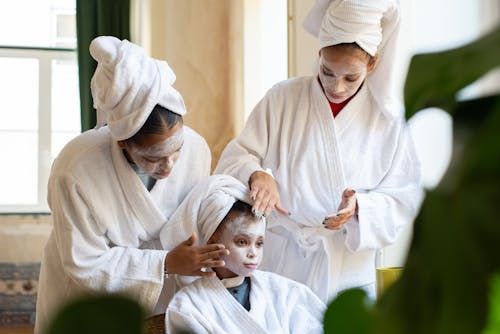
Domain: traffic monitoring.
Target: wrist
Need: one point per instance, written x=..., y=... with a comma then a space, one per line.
x=167, y=268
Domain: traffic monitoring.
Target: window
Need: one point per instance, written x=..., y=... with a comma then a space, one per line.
x=39, y=104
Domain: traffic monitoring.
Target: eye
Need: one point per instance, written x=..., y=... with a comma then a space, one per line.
x=328, y=74
x=350, y=79
x=260, y=243
x=241, y=242
x=151, y=160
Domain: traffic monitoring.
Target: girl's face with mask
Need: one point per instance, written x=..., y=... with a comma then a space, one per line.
x=243, y=236
x=342, y=70
x=156, y=154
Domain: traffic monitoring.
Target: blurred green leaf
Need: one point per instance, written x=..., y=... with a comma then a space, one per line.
x=493, y=326
x=349, y=313
x=435, y=78
x=102, y=314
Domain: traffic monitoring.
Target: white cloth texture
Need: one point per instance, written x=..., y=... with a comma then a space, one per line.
x=128, y=84
x=203, y=209
x=314, y=157
x=277, y=305
x=375, y=26
x=105, y=236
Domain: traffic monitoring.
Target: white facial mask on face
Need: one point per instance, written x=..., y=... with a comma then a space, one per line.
x=158, y=160
x=340, y=81
x=244, y=238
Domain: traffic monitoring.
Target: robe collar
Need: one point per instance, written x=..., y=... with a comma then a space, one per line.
x=138, y=197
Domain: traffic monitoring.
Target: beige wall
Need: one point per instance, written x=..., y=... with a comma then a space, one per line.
x=204, y=47
x=23, y=237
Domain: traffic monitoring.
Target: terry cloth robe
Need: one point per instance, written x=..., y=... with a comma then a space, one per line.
x=277, y=305
x=106, y=223
x=313, y=158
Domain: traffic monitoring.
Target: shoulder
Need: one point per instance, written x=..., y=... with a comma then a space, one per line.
x=190, y=293
x=291, y=85
x=88, y=149
x=281, y=283
x=194, y=140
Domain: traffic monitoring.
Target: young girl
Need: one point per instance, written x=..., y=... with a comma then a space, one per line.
x=332, y=154
x=240, y=299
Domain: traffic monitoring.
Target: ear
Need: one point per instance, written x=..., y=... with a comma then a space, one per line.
x=122, y=144
x=372, y=63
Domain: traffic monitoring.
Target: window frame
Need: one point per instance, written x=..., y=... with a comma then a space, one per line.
x=45, y=57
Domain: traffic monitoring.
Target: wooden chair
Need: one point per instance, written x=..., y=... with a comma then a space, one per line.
x=155, y=324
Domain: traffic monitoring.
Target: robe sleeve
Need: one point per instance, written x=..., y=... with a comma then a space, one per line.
x=183, y=316
x=306, y=311
x=179, y=322
x=384, y=211
x=244, y=154
x=90, y=259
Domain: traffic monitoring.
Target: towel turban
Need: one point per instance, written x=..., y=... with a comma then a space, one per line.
x=128, y=84
x=203, y=209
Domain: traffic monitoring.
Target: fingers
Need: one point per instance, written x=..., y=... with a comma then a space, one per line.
x=213, y=264
x=335, y=222
x=214, y=254
x=265, y=202
x=282, y=210
x=348, y=193
x=191, y=240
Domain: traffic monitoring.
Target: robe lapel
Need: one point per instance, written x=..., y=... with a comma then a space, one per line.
x=351, y=111
x=334, y=178
x=230, y=306
x=138, y=198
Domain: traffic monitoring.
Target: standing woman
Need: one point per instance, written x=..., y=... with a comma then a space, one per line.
x=112, y=189
x=334, y=150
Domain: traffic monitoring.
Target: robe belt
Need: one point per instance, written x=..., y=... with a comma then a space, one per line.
x=309, y=238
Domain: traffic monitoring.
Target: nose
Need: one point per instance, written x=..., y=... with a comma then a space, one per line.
x=251, y=253
x=167, y=163
x=338, y=86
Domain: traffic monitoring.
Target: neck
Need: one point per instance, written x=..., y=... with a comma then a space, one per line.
x=232, y=281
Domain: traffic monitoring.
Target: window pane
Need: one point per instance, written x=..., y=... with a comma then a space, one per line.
x=19, y=176
x=65, y=103
x=19, y=87
x=42, y=23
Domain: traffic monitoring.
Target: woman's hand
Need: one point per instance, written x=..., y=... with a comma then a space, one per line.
x=264, y=193
x=188, y=260
x=346, y=210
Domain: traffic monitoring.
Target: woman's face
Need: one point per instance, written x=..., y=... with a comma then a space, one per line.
x=342, y=71
x=156, y=154
x=243, y=236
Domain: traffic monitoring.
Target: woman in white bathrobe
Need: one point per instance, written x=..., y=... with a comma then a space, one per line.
x=113, y=188
x=240, y=299
x=332, y=154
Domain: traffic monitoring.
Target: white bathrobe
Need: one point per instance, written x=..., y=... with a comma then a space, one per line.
x=313, y=158
x=277, y=305
x=106, y=223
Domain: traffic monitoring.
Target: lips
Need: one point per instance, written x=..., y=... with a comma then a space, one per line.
x=162, y=175
x=251, y=266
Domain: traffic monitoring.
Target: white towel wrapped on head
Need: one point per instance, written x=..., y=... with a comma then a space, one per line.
x=203, y=210
x=128, y=84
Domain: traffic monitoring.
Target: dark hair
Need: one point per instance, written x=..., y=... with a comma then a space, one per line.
x=160, y=119
x=239, y=208
x=352, y=46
